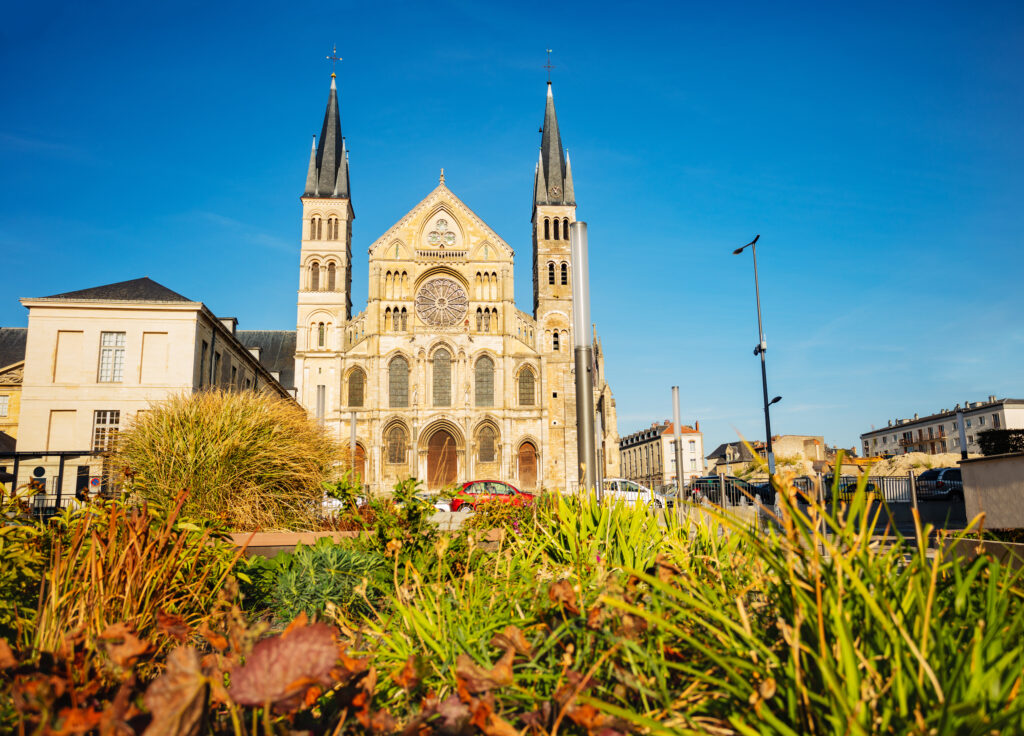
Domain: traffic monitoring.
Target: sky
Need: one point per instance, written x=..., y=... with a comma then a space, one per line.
x=876, y=148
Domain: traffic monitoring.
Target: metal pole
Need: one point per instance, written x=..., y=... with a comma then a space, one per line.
x=352, y=443
x=963, y=434
x=913, y=487
x=762, y=347
x=679, y=443
x=584, y=358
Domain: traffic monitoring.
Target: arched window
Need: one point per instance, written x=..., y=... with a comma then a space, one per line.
x=398, y=383
x=405, y=320
x=314, y=277
x=331, y=272
x=565, y=273
x=526, y=390
x=332, y=228
x=387, y=320
x=479, y=319
x=396, y=445
x=551, y=273
x=356, y=383
x=315, y=226
x=485, y=442
x=485, y=382
x=554, y=340
x=547, y=228
x=565, y=229
x=321, y=335
x=442, y=370
x=494, y=320
x=487, y=320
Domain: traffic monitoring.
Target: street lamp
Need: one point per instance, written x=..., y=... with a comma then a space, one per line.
x=760, y=350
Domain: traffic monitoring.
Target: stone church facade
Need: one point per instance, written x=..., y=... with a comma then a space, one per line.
x=445, y=378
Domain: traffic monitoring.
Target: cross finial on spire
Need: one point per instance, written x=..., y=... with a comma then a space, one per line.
x=548, y=66
x=442, y=175
x=334, y=59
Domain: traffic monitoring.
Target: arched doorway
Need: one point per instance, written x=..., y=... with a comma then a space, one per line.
x=527, y=466
x=442, y=460
x=359, y=464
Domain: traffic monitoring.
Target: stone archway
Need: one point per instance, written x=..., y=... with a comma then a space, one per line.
x=442, y=459
x=527, y=466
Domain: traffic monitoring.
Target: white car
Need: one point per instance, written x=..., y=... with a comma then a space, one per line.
x=632, y=492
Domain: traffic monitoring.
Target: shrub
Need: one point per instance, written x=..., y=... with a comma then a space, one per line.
x=254, y=461
x=22, y=556
x=115, y=564
x=1001, y=441
x=314, y=577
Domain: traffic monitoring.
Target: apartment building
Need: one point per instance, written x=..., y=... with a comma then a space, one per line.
x=649, y=458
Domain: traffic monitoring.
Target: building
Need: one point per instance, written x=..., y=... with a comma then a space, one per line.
x=787, y=448
x=443, y=376
x=12, y=371
x=939, y=432
x=649, y=456
x=96, y=357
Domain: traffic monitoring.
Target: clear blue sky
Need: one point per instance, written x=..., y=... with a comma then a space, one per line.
x=877, y=148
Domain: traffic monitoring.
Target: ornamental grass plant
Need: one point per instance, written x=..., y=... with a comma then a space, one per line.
x=251, y=460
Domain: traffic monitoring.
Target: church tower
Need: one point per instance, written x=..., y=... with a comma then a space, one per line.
x=554, y=209
x=325, y=267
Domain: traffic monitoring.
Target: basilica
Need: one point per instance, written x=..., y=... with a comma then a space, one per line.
x=443, y=377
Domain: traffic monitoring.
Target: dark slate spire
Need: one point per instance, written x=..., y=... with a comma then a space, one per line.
x=553, y=185
x=331, y=175
x=311, y=173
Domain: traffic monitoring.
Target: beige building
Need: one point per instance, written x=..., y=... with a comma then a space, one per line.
x=445, y=378
x=649, y=456
x=12, y=371
x=96, y=357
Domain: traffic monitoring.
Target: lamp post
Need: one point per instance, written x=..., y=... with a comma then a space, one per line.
x=584, y=357
x=760, y=350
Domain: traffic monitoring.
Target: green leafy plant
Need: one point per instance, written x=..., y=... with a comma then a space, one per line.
x=23, y=553
x=251, y=460
x=324, y=575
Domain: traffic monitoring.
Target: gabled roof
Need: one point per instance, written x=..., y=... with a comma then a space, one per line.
x=441, y=193
x=136, y=290
x=742, y=453
x=12, y=345
x=277, y=351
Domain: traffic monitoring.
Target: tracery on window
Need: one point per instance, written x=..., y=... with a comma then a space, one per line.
x=398, y=383
x=526, y=387
x=356, y=385
x=396, y=445
x=486, y=444
x=441, y=367
x=484, y=382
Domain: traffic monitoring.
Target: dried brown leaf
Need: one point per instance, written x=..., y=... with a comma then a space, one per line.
x=7, y=658
x=479, y=680
x=561, y=591
x=177, y=698
x=123, y=646
x=281, y=668
x=173, y=626
x=76, y=721
x=511, y=637
x=408, y=677
x=214, y=639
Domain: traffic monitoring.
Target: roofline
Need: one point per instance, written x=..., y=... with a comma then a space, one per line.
x=46, y=301
x=941, y=415
x=260, y=368
x=15, y=364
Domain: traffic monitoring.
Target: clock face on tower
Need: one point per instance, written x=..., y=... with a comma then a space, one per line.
x=556, y=191
x=441, y=302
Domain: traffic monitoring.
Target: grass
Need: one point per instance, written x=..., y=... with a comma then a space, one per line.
x=253, y=461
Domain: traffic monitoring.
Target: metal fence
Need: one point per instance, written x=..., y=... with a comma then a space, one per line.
x=54, y=480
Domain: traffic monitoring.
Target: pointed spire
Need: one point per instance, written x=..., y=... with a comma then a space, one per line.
x=540, y=186
x=331, y=162
x=311, y=173
x=569, y=195
x=552, y=159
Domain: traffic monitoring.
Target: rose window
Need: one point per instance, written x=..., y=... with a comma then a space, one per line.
x=442, y=302
x=441, y=236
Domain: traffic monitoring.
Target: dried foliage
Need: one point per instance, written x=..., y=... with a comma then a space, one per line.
x=251, y=460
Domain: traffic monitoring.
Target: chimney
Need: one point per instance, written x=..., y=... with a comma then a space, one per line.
x=230, y=323
x=890, y=422
x=992, y=399
x=255, y=352
x=915, y=415
x=696, y=425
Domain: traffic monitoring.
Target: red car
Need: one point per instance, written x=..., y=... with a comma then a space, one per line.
x=476, y=492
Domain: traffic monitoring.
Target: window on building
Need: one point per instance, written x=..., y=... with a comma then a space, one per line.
x=968, y=423
x=202, y=363
x=981, y=421
x=321, y=402
x=356, y=382
x=315, y=228
x=556, y=229
x=396, y=443
x=970, y=439
x=332, y=272
x=234, y=375
x=693, y=463
x=547, y=228
x=216, y=369
x=995, y=421
x=486, y=445
x=554, y=340
x=693, y=445
x=551, y=273
x=441, y=368
x=405, y=320
x=314, y=277
x=4, y=405
x=485, y=382
x=105, y=424
x=398, y=383
x=526, y=387
x=565, y=229
x=332, y=228
x=112, y=357
x=320, y=334
x=479, y=319
x=565, y=274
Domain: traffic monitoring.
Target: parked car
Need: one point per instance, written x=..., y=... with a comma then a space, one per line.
x=848, y=488
x=940, y=484
x=736, y=489
x=441, y=504
x=476, y=492
x=632, y=492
